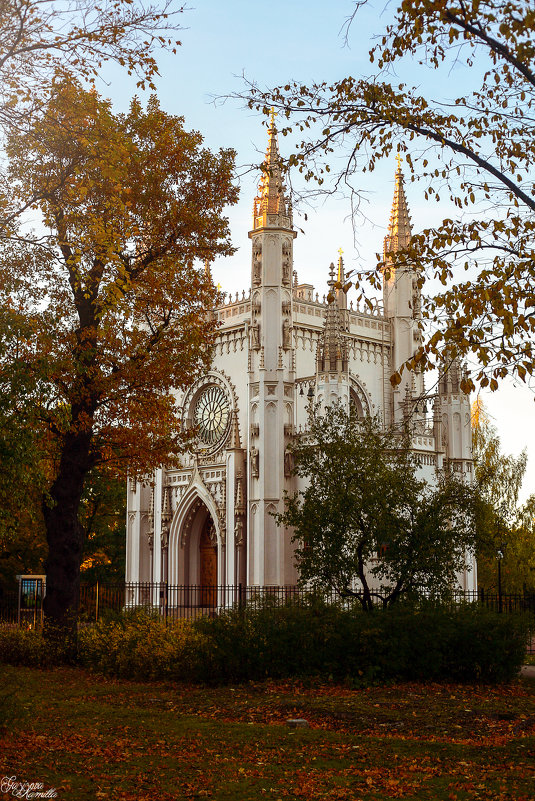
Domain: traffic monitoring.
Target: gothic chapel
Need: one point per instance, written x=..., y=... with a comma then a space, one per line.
x=280, y=347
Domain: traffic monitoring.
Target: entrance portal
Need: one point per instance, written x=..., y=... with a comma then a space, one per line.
x=208, y=564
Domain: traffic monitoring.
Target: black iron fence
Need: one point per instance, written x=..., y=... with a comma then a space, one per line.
x=23, y=604
x=176, y=602
x=502, y=602
x=9, y=604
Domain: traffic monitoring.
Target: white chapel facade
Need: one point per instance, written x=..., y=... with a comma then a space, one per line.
x=278, y=349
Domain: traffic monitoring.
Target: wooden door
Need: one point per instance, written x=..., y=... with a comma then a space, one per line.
x=208, y=566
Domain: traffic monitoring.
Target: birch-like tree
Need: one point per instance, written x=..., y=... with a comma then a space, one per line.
x=463, y=117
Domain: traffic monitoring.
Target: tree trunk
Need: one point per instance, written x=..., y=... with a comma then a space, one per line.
x=366, y=600
x=65, y=542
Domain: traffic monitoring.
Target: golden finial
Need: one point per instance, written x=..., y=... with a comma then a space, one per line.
x=340, y=262
x=399, y=160
x=272, y=116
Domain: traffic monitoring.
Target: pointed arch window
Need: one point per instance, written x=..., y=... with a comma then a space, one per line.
x=355, y=405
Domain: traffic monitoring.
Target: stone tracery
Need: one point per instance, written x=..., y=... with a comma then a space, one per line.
x=282, y=349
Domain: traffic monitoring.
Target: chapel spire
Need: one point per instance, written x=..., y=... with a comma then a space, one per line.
x=341, y=295
x=399, y=228
x=271, y=209
x=402, y=302
x=332, y=347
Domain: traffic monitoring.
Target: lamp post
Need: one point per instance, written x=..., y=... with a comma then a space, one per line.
x=499, y=557
x=502, y=515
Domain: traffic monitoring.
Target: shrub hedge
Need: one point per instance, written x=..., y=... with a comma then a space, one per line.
x=424, y=643
x=140, y=645
x=23, y=647
x=313, y=639
x=405, y=643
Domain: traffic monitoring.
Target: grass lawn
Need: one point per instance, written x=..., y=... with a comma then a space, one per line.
x=93, y=738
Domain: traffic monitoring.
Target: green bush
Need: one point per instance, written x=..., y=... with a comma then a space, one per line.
x=405, y=643
x=462, y=644
x=487, y=646
x=422, y=642
x=139, y=645
x=267, y=640
x=24, y=647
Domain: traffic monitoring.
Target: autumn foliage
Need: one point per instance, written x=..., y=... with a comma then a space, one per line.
x=295, y=640
x=91, y=737
x=452, y=87
x=113, y=280
x=38, y=38
x=130, y=203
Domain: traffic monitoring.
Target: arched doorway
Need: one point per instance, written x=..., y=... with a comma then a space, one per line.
x=196, y=560
x=208, y=564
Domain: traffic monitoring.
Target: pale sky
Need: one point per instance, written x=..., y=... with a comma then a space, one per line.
x=271, y=43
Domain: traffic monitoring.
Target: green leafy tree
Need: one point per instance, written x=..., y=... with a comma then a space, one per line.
x=22, y=475
x=520, y=556
x=499, y=476
x=103, y=520
x=366, y=525
x=509, y=529
x=475, y=150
